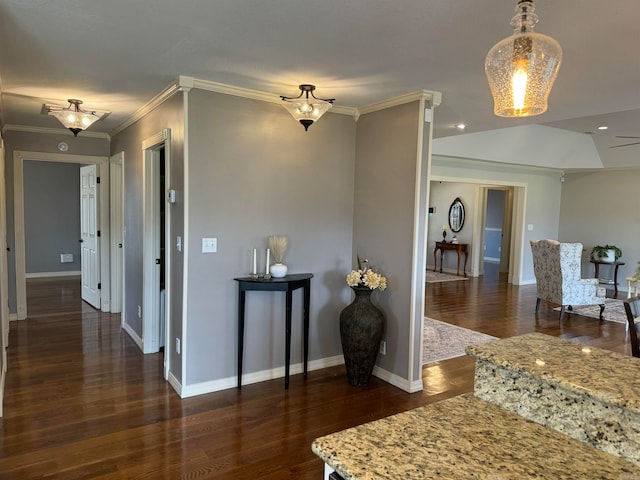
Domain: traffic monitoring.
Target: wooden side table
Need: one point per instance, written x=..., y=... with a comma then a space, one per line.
x=286, y=284
x=613, y=282
x=459, y=248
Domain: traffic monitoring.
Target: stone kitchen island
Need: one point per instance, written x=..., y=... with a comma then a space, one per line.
x=475, y=436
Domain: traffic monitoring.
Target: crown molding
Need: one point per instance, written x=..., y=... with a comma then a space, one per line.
x=181, y=84
x=255, y=94
x=433, y=98
x=185, y=83
x=52, y=131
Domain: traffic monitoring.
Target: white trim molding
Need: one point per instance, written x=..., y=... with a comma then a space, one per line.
x=397, y=381
x=52, y=131
x=252, y=94
x=256, y=377
x=70, y=273
x=432, y=98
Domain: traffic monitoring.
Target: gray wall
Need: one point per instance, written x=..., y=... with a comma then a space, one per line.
x=38, y=142
x=51, y=215
x=255, y=172
x=599, y=208
x=170, y=115
x=383, y=221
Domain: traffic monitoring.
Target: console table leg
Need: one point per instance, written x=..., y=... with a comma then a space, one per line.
x=305, y=316
x=241, y=297
x=287, y=354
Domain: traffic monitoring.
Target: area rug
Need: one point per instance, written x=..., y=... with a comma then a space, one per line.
x=442, y=341
x=435, y=277
x=613, y=311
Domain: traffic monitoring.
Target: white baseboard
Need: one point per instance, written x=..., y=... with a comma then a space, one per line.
x=13, y=317
x=491, y=260
x=3, y=374
x=70, y=273
x=397, y=381
x=175, y=383
x=134, y=336
x=231, y=382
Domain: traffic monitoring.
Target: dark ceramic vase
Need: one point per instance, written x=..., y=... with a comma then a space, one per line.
x=361, y=329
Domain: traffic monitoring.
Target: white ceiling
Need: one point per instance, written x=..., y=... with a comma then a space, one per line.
x=118, y=54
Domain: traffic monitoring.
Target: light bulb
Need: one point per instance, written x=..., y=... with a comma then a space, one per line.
x=519, y=85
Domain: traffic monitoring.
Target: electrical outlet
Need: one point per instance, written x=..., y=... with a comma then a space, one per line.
x=383, y=347
x=177, y=345
x=139, y=311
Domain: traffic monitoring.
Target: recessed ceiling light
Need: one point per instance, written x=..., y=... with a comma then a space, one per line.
x=603, y=127
x=460, y=126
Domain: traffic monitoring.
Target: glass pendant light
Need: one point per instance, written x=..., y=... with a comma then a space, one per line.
x=73, y=117
x=306, y=109
x=521, y=69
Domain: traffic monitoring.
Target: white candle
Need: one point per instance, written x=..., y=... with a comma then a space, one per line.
x=266, y=269
x=255, y=264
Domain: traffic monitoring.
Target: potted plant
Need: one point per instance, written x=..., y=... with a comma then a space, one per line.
x=606, y=253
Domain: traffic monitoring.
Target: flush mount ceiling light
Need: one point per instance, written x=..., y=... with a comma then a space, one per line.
x=73, y=117
x=306, y=109
x=521, y=69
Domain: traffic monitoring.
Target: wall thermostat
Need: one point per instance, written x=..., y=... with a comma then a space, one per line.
x=63, y=146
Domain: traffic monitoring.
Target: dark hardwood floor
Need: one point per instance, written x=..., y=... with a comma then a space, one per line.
x=81, y=401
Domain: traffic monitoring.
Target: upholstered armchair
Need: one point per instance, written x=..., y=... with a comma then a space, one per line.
x=557, y=267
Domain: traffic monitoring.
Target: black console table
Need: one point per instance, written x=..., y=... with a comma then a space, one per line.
x=286, y=284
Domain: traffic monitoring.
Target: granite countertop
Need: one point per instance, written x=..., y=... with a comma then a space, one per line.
x=608, y=376
x=464, y=438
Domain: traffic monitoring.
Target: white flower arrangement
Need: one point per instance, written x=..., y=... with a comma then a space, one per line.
x=365, y=276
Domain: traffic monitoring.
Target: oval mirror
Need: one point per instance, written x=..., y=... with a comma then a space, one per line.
x=456, y=215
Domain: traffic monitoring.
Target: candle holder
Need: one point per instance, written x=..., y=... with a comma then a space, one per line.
x=266, y=276
x=254, y=276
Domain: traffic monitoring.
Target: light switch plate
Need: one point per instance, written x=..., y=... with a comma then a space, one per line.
x=209, y=245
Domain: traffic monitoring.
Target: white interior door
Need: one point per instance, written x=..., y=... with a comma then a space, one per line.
x=90, y=244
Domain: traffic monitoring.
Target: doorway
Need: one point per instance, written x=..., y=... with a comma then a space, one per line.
x=497, y=222
x=102, y=165
x=156, y=287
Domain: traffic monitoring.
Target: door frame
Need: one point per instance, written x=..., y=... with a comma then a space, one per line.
x=507, y=227
x=515, y=197
x=116, y=174
x=150, y=241
x=19, y=156
x=4, y=278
